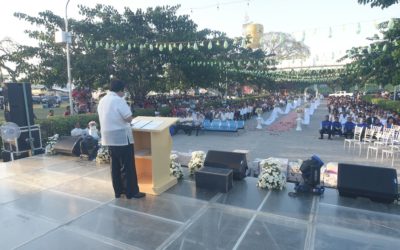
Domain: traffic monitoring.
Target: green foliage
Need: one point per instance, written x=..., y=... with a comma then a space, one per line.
x=164, y=111
x=379, y=3
x=378, y=62
x=383, y=103
x=64, y=125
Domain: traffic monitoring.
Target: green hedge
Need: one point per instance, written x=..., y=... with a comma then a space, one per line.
x=63, y=125
x=383, y=103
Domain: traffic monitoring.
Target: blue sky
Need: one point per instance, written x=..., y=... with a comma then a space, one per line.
x=314, y=17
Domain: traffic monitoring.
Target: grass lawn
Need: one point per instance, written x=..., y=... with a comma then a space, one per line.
x=40, y=112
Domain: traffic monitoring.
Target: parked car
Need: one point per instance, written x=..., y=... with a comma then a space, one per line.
x=36, y=99
x=341, y=93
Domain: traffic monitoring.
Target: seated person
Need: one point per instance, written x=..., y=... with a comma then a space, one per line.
x=326, y=128
x=348, y=128
x=93, y=130
x=336, y=127
x=78, y=131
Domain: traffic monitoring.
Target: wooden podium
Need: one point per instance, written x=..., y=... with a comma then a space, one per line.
x=153, y=146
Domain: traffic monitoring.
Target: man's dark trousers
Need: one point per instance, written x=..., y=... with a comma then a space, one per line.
x=122, y=158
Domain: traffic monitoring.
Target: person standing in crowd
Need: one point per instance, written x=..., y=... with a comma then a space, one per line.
x=67, y=111
x=326, y=128
x=115, y=116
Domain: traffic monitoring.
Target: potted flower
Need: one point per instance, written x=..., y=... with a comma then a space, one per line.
x=49, y=149
x=196, y=162
x=259, y=111
x=175, y=167
x=271, y=176
x=103, y=156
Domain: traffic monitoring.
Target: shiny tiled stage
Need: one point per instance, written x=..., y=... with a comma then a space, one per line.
x=63, y=203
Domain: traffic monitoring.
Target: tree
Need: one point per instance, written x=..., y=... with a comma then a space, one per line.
x=379, y=3
x=378, y=63
x=13, y=59
x=154, y=49
x=284, y=46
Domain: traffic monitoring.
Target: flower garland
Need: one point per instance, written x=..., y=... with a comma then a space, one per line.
x=196, y=162
x=175, y=167
x=271, y=176
x=103, y=156
x=49, y=149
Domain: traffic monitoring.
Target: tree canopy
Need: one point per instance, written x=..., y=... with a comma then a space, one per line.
x=379, y=3
x=154, y=49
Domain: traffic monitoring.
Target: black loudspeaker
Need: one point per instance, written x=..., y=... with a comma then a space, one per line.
x=232, y=160
x=377, y=183
x=68, y=145
x=15, y=103
x=219, y=179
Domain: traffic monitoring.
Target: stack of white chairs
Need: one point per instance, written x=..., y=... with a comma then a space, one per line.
x=383, y=139
x=393, y=148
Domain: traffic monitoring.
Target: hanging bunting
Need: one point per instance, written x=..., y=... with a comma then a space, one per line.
x=358, y=28
x=107, y=46
x=129, y=47
x=97, y=45
x=117, y=47
x=195, y=47
x=226, y=44
x=217, y=43
x=161, y=48
x=188, y=45
x=210, y=45
x=87, y=44
x=141, y=46
x=243, y=43
x=151, y=47
x=180, y=47
x=170, y=47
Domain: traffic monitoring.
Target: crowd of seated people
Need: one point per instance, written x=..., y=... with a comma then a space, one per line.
x=345, y=113
x=193, y=110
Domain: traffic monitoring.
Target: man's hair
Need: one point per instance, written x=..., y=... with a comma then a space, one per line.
x=117, y=85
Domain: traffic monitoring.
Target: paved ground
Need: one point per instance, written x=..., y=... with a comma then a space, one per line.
x=60, y=202
x=292, y=145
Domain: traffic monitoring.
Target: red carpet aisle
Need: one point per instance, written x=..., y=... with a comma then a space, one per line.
x=285, y=124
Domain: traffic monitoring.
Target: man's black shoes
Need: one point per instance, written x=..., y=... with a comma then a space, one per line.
x=137, y=196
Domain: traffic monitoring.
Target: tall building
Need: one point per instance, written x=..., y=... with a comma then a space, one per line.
x=255, y=31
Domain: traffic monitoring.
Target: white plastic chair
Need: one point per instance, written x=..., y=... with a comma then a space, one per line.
x=357, y=137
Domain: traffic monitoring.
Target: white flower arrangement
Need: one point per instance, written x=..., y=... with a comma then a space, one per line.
x=259, y=111
x=103, y=156
x=271, y=176
x=175, y=167
x=196, y=162
x=49, y=149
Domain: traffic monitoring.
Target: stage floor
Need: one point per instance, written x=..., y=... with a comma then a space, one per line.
x=63, y=203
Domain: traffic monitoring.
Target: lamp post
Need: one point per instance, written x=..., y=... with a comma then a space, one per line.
x=67, y=42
